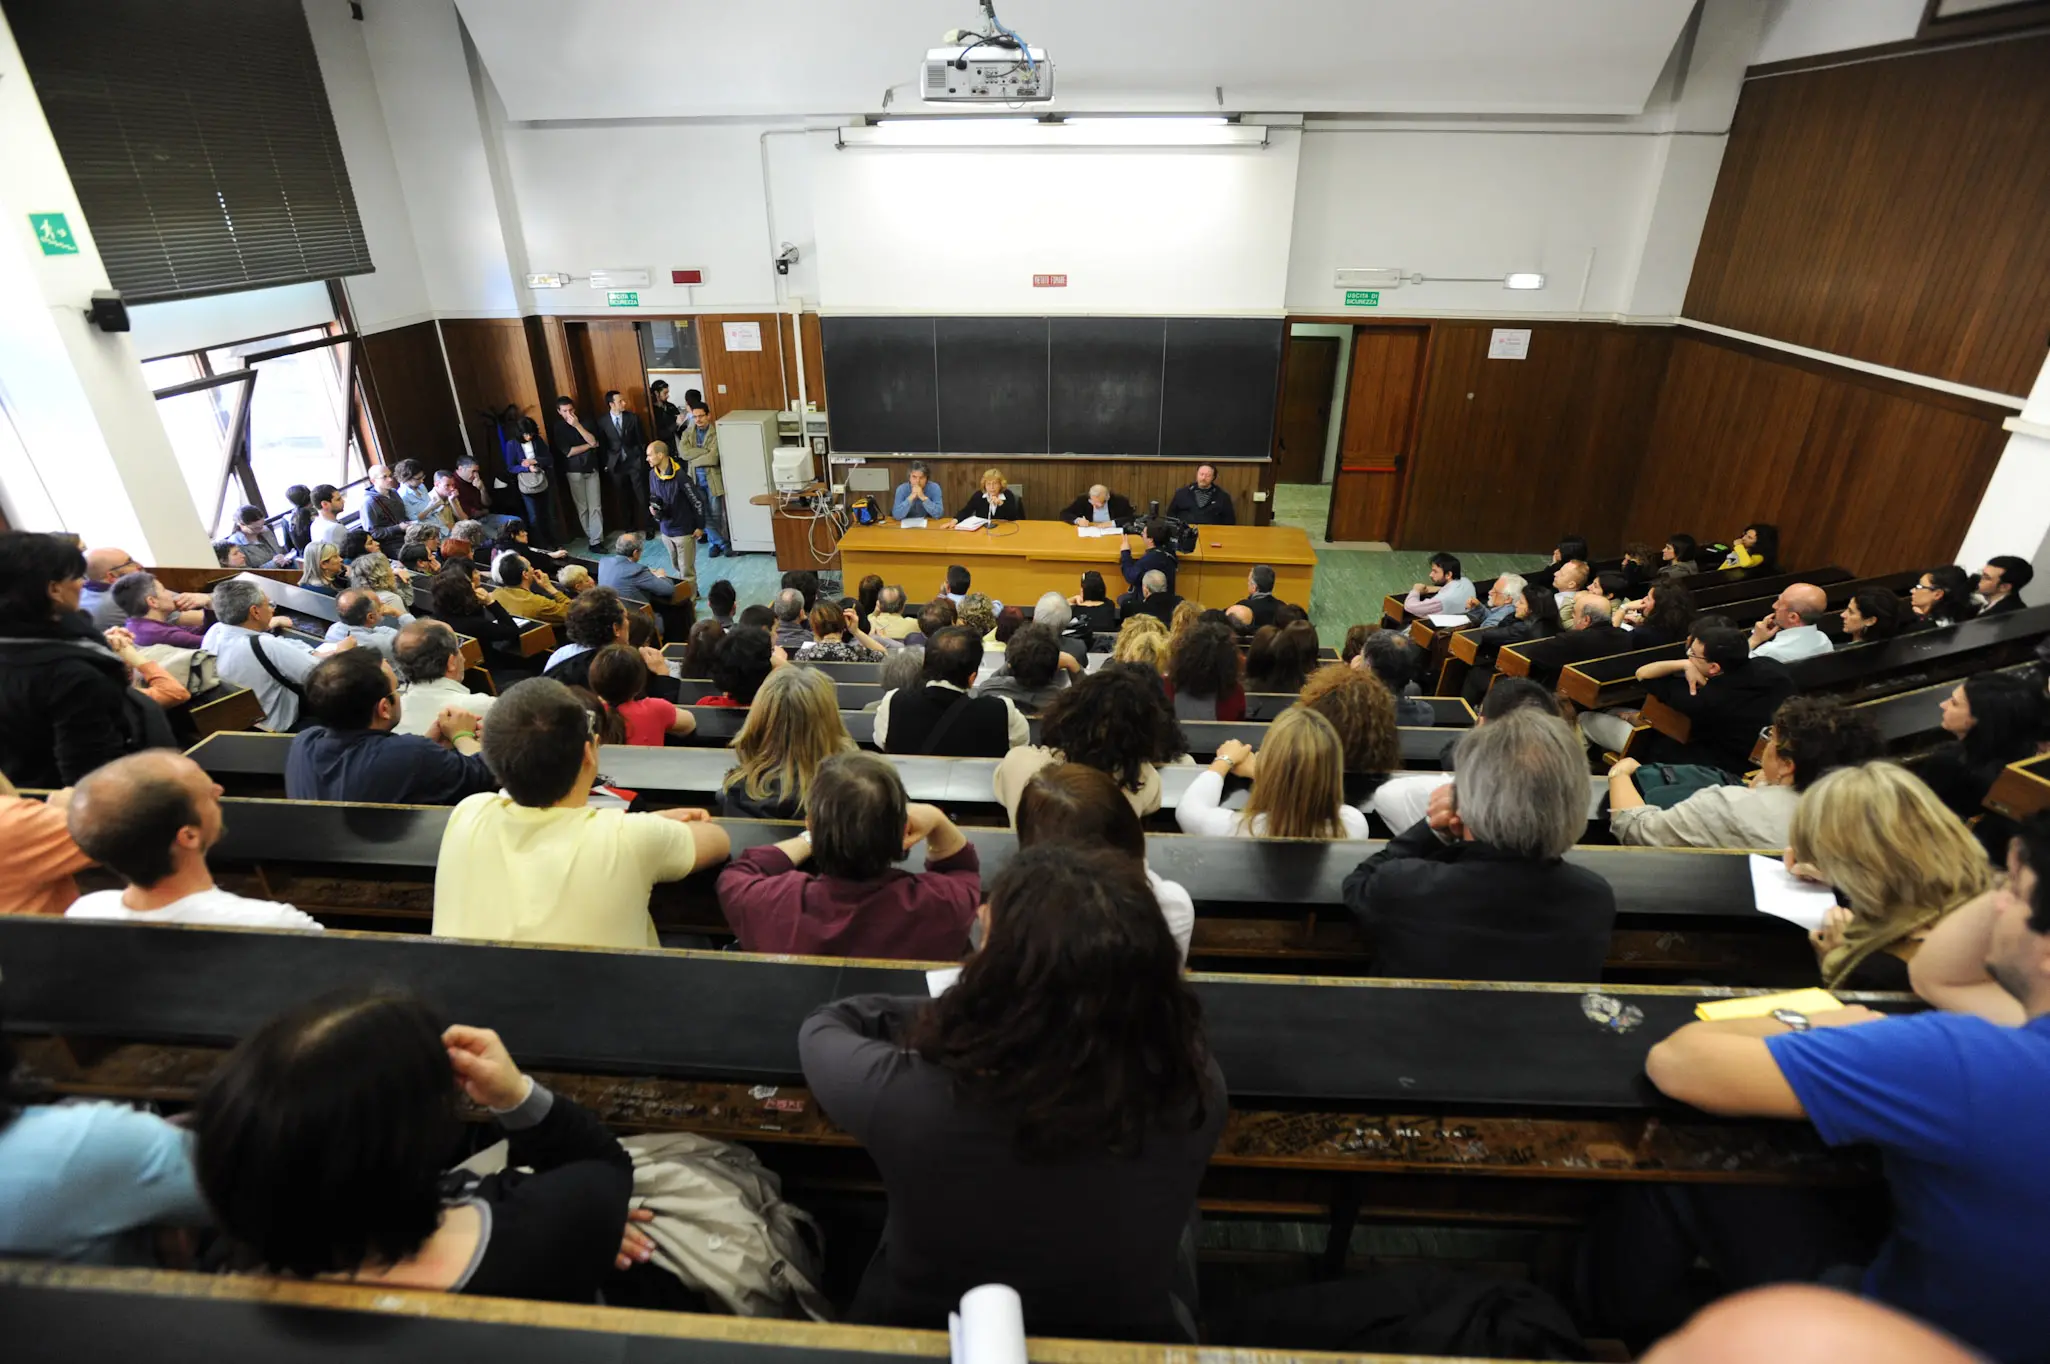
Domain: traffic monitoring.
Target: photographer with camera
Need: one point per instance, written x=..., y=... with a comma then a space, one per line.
x=1159, y=556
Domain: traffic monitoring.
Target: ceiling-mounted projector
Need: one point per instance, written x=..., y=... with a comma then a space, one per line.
x=981, y=72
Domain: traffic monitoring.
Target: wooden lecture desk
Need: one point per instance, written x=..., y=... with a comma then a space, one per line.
x=1018, y=560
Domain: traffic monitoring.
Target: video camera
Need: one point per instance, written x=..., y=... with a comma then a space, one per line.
x=1180, y=537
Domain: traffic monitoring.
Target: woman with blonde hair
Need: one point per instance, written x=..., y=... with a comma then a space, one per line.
x=1142, y=639
x=994, y=501
x=371, y=571
x=1299, y=791
x=323, y=571
x=1898, y=861
x=978, y=613
x=1184, y=619
x=792, y=727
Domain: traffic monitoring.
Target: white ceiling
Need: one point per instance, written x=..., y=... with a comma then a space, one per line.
x=586, y=59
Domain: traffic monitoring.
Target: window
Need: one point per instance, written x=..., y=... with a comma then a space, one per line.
x=207, y=420
x=670, y=345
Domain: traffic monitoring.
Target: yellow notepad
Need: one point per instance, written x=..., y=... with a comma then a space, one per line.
x=1811, y=1001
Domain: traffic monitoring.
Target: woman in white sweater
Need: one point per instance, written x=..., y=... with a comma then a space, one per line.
x=1809, y=737
x=1299, y=791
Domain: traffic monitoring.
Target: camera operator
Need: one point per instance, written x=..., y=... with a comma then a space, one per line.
x=1159, y=555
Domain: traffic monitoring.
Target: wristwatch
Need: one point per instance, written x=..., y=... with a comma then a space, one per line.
x=1795, y=1020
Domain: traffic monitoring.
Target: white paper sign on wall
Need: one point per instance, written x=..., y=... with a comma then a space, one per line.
x=748, y=335
x=1504, y=343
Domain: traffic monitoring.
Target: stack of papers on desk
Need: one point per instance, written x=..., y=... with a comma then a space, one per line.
x=1449, y=620
x=970, y=523
x=1780, y=893
x=1097, y=532
x=913, y=523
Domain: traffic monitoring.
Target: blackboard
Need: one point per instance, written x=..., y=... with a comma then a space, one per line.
x=1114, y=387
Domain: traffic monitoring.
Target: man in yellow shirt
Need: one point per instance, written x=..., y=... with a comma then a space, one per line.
x=534, y=863
x=526, y=592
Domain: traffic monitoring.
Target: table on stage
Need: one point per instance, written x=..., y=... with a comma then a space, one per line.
x=1016, y=561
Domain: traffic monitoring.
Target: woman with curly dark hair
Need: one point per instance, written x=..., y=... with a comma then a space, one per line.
x=1203, y=675
x=1062, y=1083
x=1874, y=615
x=1662, y=617
x=1283, y=659
x=1112, y=720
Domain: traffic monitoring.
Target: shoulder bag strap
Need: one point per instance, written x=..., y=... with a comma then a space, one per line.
x=256, y=647
x=945, y=726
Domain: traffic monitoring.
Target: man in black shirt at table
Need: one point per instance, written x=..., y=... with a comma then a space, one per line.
x=1727, y=696
x=1203, y=503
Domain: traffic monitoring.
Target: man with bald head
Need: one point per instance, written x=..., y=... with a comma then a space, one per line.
x=152, y=817
x=360, y=616
x=1790, y=633
x=104, y=568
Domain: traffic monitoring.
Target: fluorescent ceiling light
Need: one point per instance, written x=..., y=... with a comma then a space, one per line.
x=1524, y=279
x=1204, y=131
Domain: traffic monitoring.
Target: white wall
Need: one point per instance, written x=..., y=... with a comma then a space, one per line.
x=1479, y=203
x=1138, y=232
x=395, y=293
x=1806, y=28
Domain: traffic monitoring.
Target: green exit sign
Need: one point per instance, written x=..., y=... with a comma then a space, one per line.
x=622, y=298
x=1362, y=298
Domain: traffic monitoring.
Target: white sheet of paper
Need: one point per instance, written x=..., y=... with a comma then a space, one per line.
x=1449, y=619
x=1783, y=895
x=970, y=523
x=1097, y=532
x=747, y=335
x=913, y=523
x=942, y=980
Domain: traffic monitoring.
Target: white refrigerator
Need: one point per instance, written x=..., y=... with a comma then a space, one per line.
x=747, y=445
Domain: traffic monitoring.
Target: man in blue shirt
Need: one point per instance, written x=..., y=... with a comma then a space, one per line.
x=1958, y=1103
x=918, y=496
x=351, y=753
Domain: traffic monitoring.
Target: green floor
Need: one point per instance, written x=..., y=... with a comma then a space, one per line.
x=1349, y=588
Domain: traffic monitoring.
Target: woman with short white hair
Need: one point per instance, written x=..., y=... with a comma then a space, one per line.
x=1479, y=888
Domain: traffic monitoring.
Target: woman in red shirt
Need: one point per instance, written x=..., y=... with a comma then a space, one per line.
x=620, y=677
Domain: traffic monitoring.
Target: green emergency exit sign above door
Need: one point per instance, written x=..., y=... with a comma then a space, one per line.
x=1362, y=298
x=622, y=298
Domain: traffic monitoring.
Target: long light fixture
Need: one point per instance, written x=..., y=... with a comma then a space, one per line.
x=1081, y=131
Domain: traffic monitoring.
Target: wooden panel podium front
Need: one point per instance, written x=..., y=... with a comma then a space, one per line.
x=1016, y=561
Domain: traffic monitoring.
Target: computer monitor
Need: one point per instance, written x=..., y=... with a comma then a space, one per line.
x=793, y=468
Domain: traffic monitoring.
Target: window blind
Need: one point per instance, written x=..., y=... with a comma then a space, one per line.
x=198, y=137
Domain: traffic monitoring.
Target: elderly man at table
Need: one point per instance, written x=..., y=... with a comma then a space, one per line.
x=918, y=496
x=1099, y=507
x=634, y=581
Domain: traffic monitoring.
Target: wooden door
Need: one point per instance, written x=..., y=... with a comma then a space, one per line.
x=1306, y=408
x=1379, y=425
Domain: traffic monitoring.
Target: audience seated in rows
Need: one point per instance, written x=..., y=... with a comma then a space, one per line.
x=1394, y=659
x=1298, y=791
x=698, y=649
x=625, y=574
x=596, y=619
x=1955, y=1099
x=1874, y=615
x=372, y=572
x=353, y=751
x=1992, y=719
x=151, y=818
x=835, y=890
x=1727, y=697
x=1152, y=596
x=525, y=592
x=535, y=863
x=620, y=675
x=1142, y=640
x=1942, y=597
x=792, y=727
x=1533, y=614
x=1448, y=593
x=888, y=620
x=1897, y=862
x=1810, y=736
x=1757, y=547
x=1363, y=713
x=323, y=569
x=941, y=718
x=320, y=1145
x=2001, y=582
x=151, y=613
x=1065, y=1070
x=793, y=626
x=1114, y=720
x=428, y=659
x=1282, y=657
x=1205, y=675
x=1094, y=612
x=1076, y=808
x=1478, y=889
x=459, y=603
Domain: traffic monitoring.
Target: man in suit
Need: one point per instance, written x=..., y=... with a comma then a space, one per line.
x=634, y=581
x=1203, y=503
x=1260, y=599
x=576, y=455
x=2001, y=582
x=1099, y=507
x=626, y=459
x=1152, y=598
x=940, y=718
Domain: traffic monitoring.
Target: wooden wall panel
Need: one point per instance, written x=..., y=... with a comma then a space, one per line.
x=1855, y=470
x=406, y=383
x=492, y=367
x=548, y=353
x=751, y=379
x=1050, y=484
x=1510, y=454
x=1891, y=211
